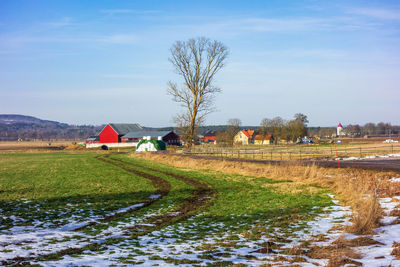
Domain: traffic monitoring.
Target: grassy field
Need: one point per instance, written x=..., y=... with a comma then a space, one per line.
x=89, y=208
x=57, y=186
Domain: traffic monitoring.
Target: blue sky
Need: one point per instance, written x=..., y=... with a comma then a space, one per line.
x=93, y=62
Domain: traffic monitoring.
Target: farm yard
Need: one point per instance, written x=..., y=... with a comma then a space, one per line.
x=105, y=208
x=214, y=133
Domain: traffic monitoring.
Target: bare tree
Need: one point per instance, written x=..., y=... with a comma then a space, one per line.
x=353, y=130
x=302, y=118
x=273, y=126
x=369, y=128
x=233, y=128
x=299, y=125
x=196, y=61
x=289, y=130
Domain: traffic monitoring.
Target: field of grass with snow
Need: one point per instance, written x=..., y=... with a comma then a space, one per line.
x=87, y=208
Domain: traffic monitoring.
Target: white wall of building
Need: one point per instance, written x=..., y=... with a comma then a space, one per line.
x=129, y=144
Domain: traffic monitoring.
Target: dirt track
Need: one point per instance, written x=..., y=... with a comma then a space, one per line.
x=376, y=164
x=202, y=197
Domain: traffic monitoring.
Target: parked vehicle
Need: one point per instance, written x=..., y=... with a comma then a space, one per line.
x=390, y=141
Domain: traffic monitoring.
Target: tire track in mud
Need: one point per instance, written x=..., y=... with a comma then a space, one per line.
x=202, y=197
x=162, y=188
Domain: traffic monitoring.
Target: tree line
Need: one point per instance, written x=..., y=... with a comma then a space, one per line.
x=279, y=128
x=37, y=131
x=356, y=130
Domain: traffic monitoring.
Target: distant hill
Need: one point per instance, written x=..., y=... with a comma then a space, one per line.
x=15, y=118
x=14, y=127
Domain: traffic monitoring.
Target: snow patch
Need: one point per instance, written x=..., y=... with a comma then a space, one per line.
x=379, y=255
x=394, y=155
x=395, y=179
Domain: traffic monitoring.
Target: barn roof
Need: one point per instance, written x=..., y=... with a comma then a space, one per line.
x=140, y=134
x=249, y=133
x=124, y=128
x=209, y=133
x=263, y=137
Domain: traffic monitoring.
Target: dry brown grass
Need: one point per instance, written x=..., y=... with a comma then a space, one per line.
x=25, y=145
x=342, y=261
x=332, y=251
x=338, y=255
x=355, y=187
x=366, y=216
x=396, y=250
x=395, y=212
x=75, y=147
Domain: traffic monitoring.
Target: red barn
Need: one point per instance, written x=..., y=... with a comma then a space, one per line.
x=113, y=132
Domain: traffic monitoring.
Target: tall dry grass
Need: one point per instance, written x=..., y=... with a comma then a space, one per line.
x=354, y=187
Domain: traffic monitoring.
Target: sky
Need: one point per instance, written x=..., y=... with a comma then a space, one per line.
x=95, y=62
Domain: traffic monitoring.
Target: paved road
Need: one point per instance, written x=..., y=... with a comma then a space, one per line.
x=373, y=164
x=387, y=164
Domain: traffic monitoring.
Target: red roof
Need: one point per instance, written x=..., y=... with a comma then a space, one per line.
x=340, y=125
x=263, y=137
x=210, y=138
x=248, y=133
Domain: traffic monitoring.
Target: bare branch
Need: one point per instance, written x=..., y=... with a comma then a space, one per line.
x=196, y=61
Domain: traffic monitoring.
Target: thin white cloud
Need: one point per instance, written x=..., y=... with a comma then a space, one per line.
x=7, y=52
x=129, y=11
x=110, y=39
x=60, y=23
x=236, y=26
x=272, y=25
x=377, y=13
x=120, y=39
x=246, y=24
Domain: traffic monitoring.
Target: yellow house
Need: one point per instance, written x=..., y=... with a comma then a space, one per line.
x=244, y=137
x=263, y=139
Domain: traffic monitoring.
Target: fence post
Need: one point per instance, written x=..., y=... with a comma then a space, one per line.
x=239, y=153
x=360, y=153
x=338, y=164
x=271, y=154
x=300, y=153
x=392, y=149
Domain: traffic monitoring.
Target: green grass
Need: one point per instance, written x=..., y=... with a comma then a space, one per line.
x=244, y=202
x=53, y=187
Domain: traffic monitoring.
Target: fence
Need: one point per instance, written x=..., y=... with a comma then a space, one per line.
x=294, y=152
